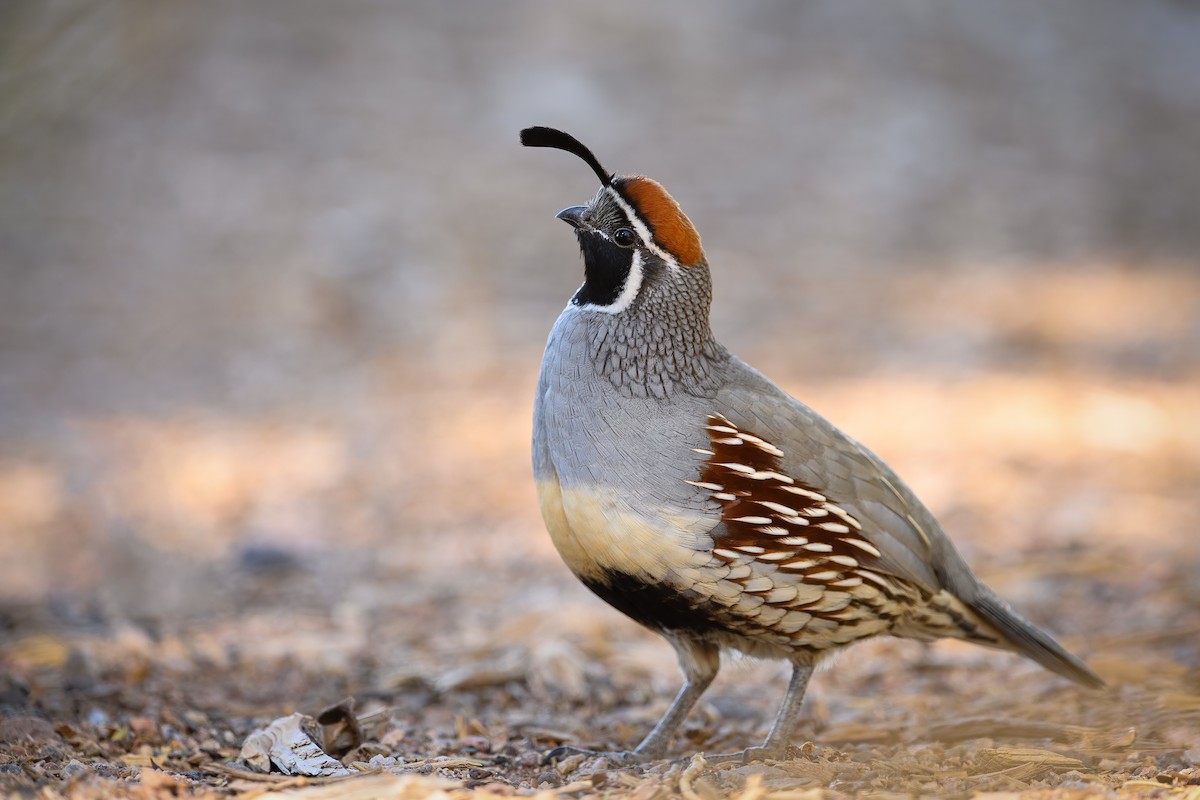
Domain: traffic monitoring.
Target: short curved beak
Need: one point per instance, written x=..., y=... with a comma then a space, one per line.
x=573, y=216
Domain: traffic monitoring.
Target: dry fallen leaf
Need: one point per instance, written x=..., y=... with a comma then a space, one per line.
x=289, y=743
x=159, y=781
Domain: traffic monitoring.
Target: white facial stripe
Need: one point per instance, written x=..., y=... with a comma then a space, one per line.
x=633, y=285
x=641, y=228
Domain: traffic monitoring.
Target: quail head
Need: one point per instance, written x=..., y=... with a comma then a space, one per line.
x=693, y=494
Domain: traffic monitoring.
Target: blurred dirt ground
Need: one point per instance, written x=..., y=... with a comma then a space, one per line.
x=197, y=575
x=275, y=283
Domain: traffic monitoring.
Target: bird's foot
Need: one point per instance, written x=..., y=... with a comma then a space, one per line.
x=619, y=758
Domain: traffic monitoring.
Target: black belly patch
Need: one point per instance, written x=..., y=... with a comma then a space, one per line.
x=661, y=608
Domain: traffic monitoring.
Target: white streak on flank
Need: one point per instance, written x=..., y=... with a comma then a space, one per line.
x=642, y=230
x=803, y=563
x=834, y=527
x=795, y=541
x=703, y=452
x=841, y=512
x=847, y=583
x=766, y=475
x=773, y=530
x=778, y=555
x=762, y=444
x=752, y=520
x=727, y=440
x=920, y=531
x=820, y=498
x=742, y=468
x=877, y=579
x=778, y=508
x=845, y=561
x=818, y=547
x=629, y=292
x=752, y=549
x=721, y=429
x=724, y=496
x=865, y=546
x=815, y=511
x=714, y=487
x=827, y=575
x=723, y=553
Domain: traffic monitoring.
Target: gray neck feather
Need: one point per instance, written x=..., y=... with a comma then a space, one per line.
x=662, y=344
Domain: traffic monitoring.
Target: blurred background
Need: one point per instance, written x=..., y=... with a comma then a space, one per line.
x=275, y=278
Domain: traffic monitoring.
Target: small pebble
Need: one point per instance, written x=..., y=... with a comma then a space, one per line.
x=570, y=764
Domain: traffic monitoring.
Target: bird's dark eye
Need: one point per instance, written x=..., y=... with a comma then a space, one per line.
x=625, y=237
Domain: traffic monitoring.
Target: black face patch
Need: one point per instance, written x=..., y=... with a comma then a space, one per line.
x=605, y=268
x=661, y=608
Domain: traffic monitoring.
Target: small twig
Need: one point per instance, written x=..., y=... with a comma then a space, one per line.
x=685, y=778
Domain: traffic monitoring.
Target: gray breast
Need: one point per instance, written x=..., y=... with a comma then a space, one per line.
x=589, y=433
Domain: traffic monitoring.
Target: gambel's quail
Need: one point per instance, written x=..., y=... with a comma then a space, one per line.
x=693, y=494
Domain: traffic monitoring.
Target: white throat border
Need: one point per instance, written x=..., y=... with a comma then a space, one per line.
x=629, y=291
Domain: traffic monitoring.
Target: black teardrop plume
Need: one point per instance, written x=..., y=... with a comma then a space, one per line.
x=552, y=137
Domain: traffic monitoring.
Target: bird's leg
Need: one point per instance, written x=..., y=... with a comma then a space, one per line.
x=785, y=721
x=789, y=712
x=700, y=662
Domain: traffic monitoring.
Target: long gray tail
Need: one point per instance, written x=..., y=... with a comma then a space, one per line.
x=1031, y=641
